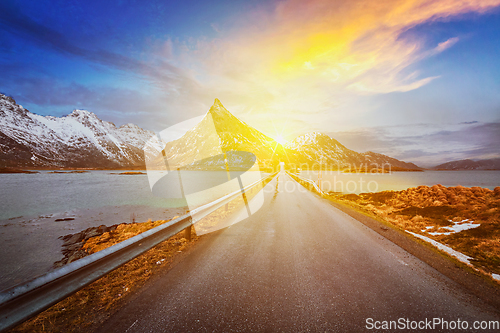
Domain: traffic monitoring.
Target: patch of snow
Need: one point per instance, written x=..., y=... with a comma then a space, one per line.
x=495, y=276
x=460, y=256
x=456, y=227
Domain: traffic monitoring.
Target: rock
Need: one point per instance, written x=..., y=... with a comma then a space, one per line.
x=75, y=238
x=417, y=218
x=73, y=243
x=60, y=263
x=92, y=232
x=73, y=257
x=74, y=247
x=64, y=219
x=497, y=191
x=102, y=229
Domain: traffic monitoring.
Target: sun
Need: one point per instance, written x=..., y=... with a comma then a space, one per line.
x=279, y=139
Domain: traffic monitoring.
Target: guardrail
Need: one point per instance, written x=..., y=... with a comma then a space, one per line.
x=309, y=181
x=26, y=300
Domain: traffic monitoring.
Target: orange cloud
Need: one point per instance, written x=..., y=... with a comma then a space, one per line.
x=312, y=55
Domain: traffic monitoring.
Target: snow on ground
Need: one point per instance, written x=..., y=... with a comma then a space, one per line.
x=460, y=256
x=456, y=227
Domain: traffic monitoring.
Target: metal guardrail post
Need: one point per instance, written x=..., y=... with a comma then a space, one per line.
x=187, y=233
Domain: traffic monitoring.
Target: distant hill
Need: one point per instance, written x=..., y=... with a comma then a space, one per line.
x=315, y=148
x=489, y=164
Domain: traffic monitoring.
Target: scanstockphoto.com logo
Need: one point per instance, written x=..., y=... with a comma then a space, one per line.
x=195, y=169
x=439, y=324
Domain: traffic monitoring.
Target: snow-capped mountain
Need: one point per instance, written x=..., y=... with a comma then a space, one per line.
x=79, y=139
x=219, y=132
x=82, y=140
x=318, y=148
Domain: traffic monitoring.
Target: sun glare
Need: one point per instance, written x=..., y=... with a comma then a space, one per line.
x=279, y=139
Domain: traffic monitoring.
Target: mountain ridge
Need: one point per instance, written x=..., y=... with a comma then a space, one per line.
x=321, y=149
x=77, y=140
x=82, y=140
x=468, y=164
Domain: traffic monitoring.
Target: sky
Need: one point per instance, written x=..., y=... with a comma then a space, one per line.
x=416, y=80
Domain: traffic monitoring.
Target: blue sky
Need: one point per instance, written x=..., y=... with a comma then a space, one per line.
x=391, y=77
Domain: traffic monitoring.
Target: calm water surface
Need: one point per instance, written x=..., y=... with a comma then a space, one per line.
x=48, y=193
x=397, y=181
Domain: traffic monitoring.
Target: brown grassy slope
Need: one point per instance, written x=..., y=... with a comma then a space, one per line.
x=90, y=306
x=415, y=209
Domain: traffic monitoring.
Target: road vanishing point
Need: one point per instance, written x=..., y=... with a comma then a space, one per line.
x=298, y=265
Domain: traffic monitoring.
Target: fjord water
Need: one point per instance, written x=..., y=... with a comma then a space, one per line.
x=335, y=181
x=47, y=193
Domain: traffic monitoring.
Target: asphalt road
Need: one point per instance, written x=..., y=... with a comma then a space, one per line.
x=298, y=264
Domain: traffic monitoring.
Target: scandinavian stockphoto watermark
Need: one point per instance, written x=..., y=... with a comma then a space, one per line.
x=344, y=177
x=185, y=170
x=431, y=324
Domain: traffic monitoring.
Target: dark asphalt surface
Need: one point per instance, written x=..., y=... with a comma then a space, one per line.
x=297, y=265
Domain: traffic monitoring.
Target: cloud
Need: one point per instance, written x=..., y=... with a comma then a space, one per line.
x=427, y=144
x=13, y=20
x=446, y=45
x=305, y=55
x=150, y=110
x=305, y=61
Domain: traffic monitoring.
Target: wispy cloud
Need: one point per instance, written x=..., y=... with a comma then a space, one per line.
x=334, y=43
x=427, y=144
x=446, y=45
x=315, y=55
x=308, y=63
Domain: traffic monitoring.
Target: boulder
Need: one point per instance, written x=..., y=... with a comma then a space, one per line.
x=75, y=238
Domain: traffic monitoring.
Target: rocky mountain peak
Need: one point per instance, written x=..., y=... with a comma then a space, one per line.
x=78, y=113
x=313, y=138
x=217, y=110
x=218, y=103
x=129, y=125
x=79, y=139
x=8, y=103
x=7, y=98
x=224, y=120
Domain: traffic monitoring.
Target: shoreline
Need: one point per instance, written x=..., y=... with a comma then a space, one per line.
x=7, y=170
x=32, y=244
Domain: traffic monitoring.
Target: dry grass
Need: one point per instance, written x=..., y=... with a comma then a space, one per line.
x=88, y=308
